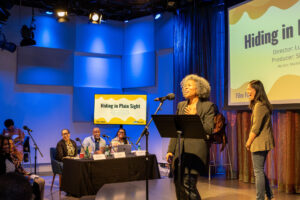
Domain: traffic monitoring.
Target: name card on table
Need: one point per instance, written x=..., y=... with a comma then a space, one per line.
x=99, y=157
x=119, y=155
x=140, y=153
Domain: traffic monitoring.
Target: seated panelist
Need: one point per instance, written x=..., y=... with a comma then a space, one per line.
x=95, y=143
x=120, y=138
x=65, y=147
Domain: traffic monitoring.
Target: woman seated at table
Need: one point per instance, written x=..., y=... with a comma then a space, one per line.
x=65, y=147
x=120, y=138
x=10, y=163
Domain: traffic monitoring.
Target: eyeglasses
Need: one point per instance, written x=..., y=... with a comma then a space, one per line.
x=121, y=132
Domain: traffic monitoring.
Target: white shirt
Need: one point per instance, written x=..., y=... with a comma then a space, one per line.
x=90, y=142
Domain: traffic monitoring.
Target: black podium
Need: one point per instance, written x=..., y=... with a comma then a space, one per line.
x=179, y=126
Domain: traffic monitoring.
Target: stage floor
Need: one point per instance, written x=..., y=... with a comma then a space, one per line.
x=163, y=189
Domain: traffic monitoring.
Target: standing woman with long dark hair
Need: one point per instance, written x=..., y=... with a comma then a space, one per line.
x=261, y=139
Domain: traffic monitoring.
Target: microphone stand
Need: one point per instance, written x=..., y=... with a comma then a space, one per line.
x=81, y=147
x=131, y=143
x=35, y=149
x=146, y=133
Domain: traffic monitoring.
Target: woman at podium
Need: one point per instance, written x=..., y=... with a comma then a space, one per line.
x=194, y=152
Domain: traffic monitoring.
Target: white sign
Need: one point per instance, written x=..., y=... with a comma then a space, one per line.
x=120, y=109
x=140, y=153
x=99, y=157
x=119, y=155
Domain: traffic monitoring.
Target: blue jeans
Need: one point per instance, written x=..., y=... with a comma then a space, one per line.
x=261, y=180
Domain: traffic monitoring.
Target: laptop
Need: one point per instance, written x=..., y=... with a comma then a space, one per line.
x=124, y=148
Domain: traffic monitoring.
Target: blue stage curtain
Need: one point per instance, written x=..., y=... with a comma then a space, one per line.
x=199, y=48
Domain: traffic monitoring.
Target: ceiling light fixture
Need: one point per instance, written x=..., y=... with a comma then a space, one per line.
x=157, y=16
x=27, y=33
x=62, y=15
x=95, y=17
x=9, y=46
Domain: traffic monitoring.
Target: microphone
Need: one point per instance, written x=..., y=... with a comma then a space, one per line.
x=78, y=139
x=170, y=96
x=103, y=135
x=126, y=137
x=27, y=129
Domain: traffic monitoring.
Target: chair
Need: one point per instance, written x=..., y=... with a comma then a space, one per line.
x=26, y=151
x=56, y=167
x=219, y=138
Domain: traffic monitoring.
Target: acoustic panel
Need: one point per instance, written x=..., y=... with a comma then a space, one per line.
x=101, y=72
x=139, y=70
x=83, y=102
x=103, y=38
x=139, y=35
x=44, y=66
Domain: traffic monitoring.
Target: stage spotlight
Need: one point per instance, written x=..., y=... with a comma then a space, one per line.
x=9, y=46
x=95, y=17
x=27, y=33
x=49, y=12
x=157, y=16
x=126, y=21
x=171, y=3
x=62, y=15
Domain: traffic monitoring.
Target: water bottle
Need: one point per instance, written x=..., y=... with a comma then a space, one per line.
x=139, y=146
x=87, y=153
x=107, y=150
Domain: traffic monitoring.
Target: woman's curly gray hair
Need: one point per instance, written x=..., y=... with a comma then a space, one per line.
x=202, y=85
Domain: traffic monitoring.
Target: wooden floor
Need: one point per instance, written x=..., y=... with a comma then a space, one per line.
x=163, y=189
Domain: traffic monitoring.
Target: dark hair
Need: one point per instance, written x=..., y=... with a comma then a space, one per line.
x=14, y=187
x=8, y=123
x=2, y=138
x=119, y=130
x=260, y=95
x=125, y=139
x=65, y=129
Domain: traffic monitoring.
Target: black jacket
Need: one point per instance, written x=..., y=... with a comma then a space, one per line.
x=61, y=149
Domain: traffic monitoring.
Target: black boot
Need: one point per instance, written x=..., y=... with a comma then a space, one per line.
x=190, y=189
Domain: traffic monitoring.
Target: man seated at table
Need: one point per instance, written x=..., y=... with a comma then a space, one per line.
x=95, y=143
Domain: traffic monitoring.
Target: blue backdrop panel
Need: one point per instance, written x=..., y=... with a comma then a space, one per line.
x=139, y=70
x=47, y=66
x=139, y=35
x=101, y=72
x=83, y=102
x=52, y=34
x=164, y=32
x=103, y=38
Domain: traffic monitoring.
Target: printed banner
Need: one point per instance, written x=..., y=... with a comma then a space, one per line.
x=120, y=109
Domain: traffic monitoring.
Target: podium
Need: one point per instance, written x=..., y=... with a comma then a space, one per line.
x=179, y=126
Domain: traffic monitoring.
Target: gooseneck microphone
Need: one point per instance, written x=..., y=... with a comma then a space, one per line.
x=170, y=96
x=107, y=136
x=79, y=140
x=27, y=129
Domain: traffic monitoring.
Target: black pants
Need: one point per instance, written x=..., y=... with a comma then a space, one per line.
x=187, y=188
